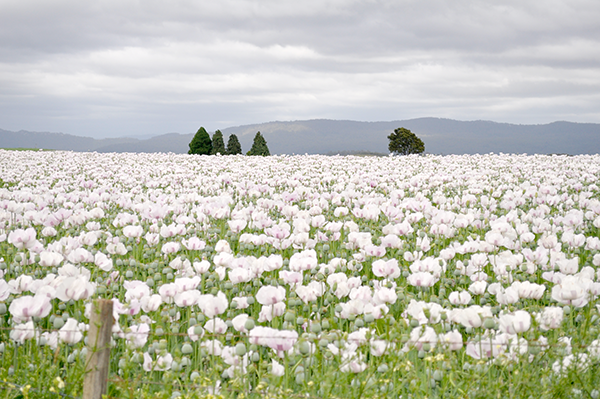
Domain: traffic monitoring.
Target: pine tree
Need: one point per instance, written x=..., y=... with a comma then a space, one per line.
x=259, y=146
x=218, y=145
x=233, y=145
x=201, y=143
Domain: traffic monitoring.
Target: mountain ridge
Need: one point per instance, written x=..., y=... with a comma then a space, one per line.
x=327, y=136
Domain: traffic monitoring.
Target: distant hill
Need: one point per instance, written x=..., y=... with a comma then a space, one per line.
x=320, y=136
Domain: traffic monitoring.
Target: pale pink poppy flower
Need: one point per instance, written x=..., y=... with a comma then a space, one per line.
x=75, y=288
x=223, y=246
x=80, y=255
x=459, y=298
x=171, y=247
x=239, y=322
x=50, y=338
x=468, y=317
x=21, y=284
x=241, y=302
x=201, y=267
x=214, y=347
x=116, y=249
x=133, y=231
x=305, y=260
x=152, y=239
x=269, y=295
x=550, y=318
x=187, y=298
x=168, y=291
x=240, y=275
x=273, y=262
x=5, y=290
x=194, y=244
x=506, y=296
x=375, y=250
x=237, y=225
x=267, y=312
x=135, y=289
x=187, y=283
x=163, y=363
x=568, y=266
x=571, y=290
x=318, y=221
x=592, y=244
x=212, y=305
x=215, y=325
x=150, y=303
x=358, y=240
x=277, y=369
x=306, y=294
x=340, y=211
x=290, y=277
x=548, y=241
x=529, y=290
x=352, y=307
x=168, y=231
x=22, y=239
x=336, y=278
x=279, y=232
x=223, y=259
x=23, y=332
x=386, y=269
x=192, y=333
x=421, y=279
x=89, y=239
x=451, y=340
x=488, y=347
x=279, y=340
x=515, y=323
x=70, y=333
x=334, y=227
x=221, y=272
x=421, y=335
x=49, y=231
x=362, y=293
x=103, y=262
x=379, y=347
x=26, y=307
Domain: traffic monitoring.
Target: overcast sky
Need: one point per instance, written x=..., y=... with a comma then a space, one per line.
x=147, y=67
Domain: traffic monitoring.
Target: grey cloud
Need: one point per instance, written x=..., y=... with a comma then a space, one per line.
x=115, y=62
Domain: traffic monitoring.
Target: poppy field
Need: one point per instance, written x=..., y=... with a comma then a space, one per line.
x=472, y=276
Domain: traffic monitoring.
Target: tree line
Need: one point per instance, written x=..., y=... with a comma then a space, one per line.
x=402, y=142
x=202, y=144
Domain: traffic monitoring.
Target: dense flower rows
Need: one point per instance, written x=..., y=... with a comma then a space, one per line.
x=297, y=272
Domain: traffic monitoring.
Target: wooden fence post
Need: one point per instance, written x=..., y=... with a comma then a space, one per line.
x=95, y=382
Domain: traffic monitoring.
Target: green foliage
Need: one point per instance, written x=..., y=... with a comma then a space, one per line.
x=233, y=145
x=259, y=146
x=218, y=145
x=405, y=142
x=201, y=144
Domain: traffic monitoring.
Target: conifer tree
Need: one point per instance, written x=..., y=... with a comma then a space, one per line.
x=233, y=145
x=259, y=146
x=201, y=143
x=218, y=145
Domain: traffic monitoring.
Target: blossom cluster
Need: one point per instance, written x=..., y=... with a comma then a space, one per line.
x=241, y=261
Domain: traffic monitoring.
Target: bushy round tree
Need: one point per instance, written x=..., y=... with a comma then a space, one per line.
x=259, y=146
x=233, y=145
x=201, y=144
x=405, y=142
x=218, y=145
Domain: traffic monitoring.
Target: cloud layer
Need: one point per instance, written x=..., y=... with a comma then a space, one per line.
x=110, y=68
